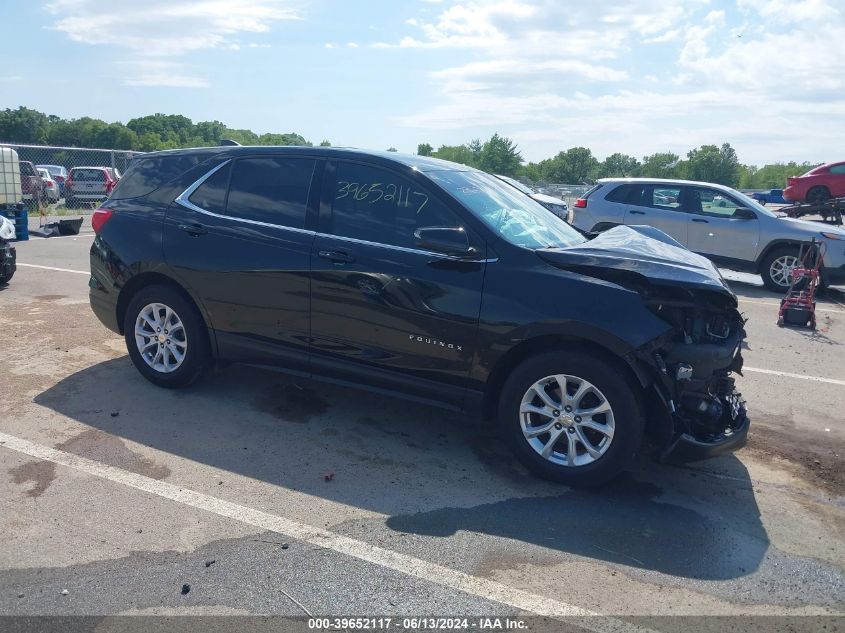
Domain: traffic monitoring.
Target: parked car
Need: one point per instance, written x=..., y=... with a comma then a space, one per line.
x=426, y=279
x=555, y=205
x=57, y=173
x=32, y=186
x=88, y=184
x=817, y=185
x=51, y=188
x=773, y=196
x=8, y=254
x=728, y=227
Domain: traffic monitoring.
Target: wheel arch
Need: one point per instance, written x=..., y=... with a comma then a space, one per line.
x=635, y=374
x=150, y=278
x=773, y=245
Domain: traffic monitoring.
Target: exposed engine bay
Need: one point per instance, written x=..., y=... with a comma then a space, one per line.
x=695, y=360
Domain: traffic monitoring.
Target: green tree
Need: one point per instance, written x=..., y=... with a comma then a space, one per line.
x=24, y=126
x=392, y=149
x=499, y=155
x=325, y=143
x=774, y=176
x=116, y=136
x=710, y=163
x=619, y=165
x=660, y=165
x=575, y=166
x=424, y=149
x=456, y=153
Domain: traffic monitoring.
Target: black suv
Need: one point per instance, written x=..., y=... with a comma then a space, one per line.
x=426, y=279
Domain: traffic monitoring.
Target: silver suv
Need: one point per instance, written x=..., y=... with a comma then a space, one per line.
x=718, y=222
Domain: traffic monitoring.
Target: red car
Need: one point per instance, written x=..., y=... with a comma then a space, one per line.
x=817, y=185
x=32, y=187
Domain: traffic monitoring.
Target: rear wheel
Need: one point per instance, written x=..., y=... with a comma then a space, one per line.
x=570, y=417
x=166, y=337
x=818, y=195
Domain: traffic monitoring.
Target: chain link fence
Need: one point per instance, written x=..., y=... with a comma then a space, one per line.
x=54, y=165
x=569, y=193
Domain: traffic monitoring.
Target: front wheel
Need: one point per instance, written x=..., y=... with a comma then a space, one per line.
x=166, y=337
x=571, y=418
x=776, y=269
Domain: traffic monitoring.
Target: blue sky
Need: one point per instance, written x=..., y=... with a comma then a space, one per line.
x=636, y=76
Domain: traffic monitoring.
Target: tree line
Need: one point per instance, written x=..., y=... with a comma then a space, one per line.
x=498, y=154
x=577, y=165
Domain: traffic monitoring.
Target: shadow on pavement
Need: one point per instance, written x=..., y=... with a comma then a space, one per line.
x=432, y=472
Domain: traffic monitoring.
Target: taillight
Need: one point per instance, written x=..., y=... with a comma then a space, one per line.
x=68, y=183
x=110, y=185
x=791, y=180
x=581, y=203
x=99, y=219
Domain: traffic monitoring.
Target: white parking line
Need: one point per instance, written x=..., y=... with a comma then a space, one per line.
x=418, y=568
x=61, y=270
x=786, y=374
x=777, y=305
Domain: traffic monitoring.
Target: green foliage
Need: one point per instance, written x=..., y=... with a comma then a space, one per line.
x=392, y=149
x=710, y=163
x=457, y=154
x=576, y=165
x=325, y=143
x=424, y=149
x=660, y=165
x=618, y=166
x=499, y=155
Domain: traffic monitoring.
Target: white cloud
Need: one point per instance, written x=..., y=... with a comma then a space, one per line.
x=161, y=74
x=639, y=75
x=159, y=29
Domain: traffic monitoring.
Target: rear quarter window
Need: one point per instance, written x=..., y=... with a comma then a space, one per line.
x=145, y=175
x=88, y=175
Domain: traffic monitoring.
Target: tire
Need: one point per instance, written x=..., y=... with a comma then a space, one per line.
x=191, y=340
x=772, y=283
x=625, y=421
x=818, y=195
x=4, y=279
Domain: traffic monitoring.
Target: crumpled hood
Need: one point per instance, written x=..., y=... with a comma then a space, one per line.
x=643, y=251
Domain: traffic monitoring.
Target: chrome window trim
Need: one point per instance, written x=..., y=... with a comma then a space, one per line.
x=182, y=199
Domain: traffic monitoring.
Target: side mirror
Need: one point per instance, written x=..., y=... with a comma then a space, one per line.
x=744, y=213
x=444, y=239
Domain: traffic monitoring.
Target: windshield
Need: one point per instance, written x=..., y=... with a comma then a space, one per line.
x=515, y=183
x=515, y=217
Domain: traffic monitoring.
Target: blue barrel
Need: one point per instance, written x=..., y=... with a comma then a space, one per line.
x=20, y=218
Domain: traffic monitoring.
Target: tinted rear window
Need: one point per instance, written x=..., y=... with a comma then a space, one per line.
x=272, y=190
x=211, y=195
x=88, y=175
x=27, y=169
x=145, y=175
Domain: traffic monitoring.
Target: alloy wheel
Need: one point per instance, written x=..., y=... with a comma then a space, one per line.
x=567, y=420
x=160, y=337
x=781, y=270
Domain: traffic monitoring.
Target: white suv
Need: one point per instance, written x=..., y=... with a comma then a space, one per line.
x=718, y=222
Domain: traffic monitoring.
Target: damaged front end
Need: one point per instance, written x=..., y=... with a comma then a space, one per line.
x=693, y=408
x=692, y=364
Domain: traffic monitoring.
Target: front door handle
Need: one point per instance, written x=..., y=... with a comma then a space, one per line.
x=635, y=212
x=195, y=229
x=703, y=221
x=338, y=257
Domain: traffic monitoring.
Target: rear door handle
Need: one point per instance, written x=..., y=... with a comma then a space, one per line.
x=194, y=229
x=338, y=257
x=701, y=220
x=636, y=212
